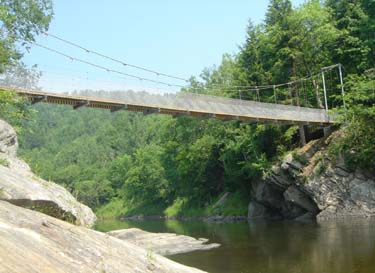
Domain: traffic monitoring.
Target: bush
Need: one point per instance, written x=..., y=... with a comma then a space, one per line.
x=358, y=141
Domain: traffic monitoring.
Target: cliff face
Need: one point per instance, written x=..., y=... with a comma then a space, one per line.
x=19, y=186
x=308, y=184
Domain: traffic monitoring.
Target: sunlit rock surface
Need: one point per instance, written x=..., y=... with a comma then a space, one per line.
x=162, y=243
x=32, y=242
x=18, y=185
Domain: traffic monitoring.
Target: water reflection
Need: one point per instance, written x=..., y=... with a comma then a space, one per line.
x=334, y=247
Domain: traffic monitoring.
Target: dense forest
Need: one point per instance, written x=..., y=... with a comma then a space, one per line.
x=126, y=163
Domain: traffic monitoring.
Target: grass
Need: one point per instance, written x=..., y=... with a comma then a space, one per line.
x=4, y=162
x=113, y=209
x=183, y=207
x=235, y=205
x=320, y=166
x=117, y=208
x=300, y=158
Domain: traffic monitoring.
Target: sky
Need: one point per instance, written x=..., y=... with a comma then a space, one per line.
x=180, y=38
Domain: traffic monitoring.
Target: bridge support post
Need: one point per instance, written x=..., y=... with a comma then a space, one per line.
x=37, y=99
x=325, y=91
x=302, y=134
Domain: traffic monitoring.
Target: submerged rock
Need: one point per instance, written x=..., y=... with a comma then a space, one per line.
x=162, y=243
x=31, y=242
x=19, y=186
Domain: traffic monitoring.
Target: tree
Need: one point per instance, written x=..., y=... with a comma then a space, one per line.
x=356, y=42
x=253, y=56
x=12, y=107
x=119, y=170
x=358, y=140
x=312, y=41
x=278, y=30
x=19, y=75
x=278, y=12
x=145, y=182
x=93, y=193
x=20, y=21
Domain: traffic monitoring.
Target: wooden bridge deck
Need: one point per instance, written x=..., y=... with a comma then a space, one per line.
x=202, y=106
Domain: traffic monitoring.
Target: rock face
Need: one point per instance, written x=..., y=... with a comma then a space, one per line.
x=162, y=243
x=18, y=185
x=258, y=211
x=31, y=242
x=309, y=183
x=8, y=139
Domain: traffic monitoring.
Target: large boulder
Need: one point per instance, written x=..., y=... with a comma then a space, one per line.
x=32, y=242
x=18, y=185
x=162, y=243
x=294, y=195
x=268, y=194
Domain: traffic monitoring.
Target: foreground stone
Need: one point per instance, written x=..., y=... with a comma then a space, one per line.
x=18, y=185
x=31, y=242
x=162, y=243
x=309, y=183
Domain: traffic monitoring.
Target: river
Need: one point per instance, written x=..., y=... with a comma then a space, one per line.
x=345, y=246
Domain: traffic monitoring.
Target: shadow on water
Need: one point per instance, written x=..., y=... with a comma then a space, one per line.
x=343, y=246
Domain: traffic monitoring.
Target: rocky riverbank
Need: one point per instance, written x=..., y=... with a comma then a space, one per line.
x=43, y=227
x=309, y=183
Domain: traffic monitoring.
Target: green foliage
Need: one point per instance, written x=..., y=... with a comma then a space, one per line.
x=20, y=21
x=126, y=164
x=112, y=209
x=145, y=181
x=236, y=205
x=320, y=167
x=13, y=108
x=356, y=42
x=177, y=208
x=93, y=193
x=358, y=141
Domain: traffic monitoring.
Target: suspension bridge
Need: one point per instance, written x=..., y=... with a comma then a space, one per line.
x=190, y=104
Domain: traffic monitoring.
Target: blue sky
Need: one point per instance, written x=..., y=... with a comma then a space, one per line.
x=175, y=37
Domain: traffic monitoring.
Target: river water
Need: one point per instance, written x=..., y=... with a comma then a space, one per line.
x=345, y=246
